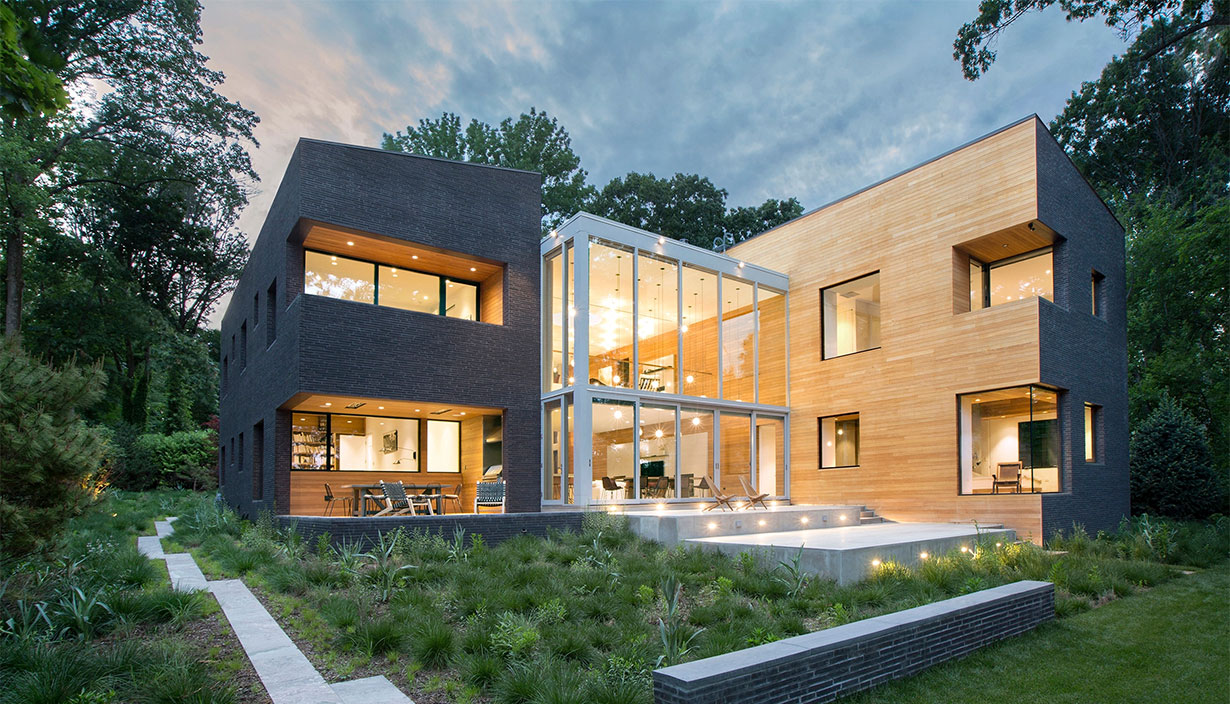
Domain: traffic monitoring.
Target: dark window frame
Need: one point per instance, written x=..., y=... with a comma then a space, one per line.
x=1096, y=418
x=443, y=287
x=423, y=454
x=271, y=314
x=824, y=357
x=987, y=267
x=858, y=449
x=1060, y=417
x=258, y=461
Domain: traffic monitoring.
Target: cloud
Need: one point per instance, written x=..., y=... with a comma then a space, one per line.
x=768, y=99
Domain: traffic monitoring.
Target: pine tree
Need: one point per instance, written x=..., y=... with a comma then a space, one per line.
x=1171, y=468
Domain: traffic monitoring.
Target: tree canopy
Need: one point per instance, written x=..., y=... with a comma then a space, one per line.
x=974, y=45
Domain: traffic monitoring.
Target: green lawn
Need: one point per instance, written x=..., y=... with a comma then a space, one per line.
x=1164, y=645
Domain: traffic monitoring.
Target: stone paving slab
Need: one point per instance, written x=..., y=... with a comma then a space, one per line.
x=163, y=528
x=288, y=676
x=185, y=575
x=370, y=690
x=151, y=547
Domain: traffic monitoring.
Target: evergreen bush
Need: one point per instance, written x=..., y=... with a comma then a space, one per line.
x=52, y=460
x=1171, y=468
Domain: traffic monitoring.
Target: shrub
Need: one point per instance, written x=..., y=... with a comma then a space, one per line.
x=181, y=459
x=1171, y=468
x=515, y=634
x=52, y=460
x=480, y=669
x=433, y=642
x=374, y=636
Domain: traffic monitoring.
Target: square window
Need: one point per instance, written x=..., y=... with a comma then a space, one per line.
x=839, y=441
x=850, y=316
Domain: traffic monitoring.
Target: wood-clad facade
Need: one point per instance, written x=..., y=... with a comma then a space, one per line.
x=918, y=230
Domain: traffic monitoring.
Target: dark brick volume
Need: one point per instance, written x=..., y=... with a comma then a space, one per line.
x=298, y=344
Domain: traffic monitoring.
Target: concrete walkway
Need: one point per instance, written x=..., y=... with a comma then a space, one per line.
x=287, y=674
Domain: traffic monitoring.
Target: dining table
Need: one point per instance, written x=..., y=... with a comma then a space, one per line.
x=436, y=491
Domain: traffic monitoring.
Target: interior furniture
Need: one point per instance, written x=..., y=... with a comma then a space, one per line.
x=719, y=499
x=452, y=494
x=489, y=494
x=1007, y=474
x=754, y=498
x=330, y=500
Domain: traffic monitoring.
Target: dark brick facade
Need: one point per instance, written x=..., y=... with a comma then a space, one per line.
x=821, y=666
x=495, y=528
x=1083, y=354
x=331, y=346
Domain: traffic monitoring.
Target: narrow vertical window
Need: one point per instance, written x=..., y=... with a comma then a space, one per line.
x=1095, y=294
x=271, y=313
x=239, y=455
x=1093, y=415
x=256, y=310
x=258, y=461
x=226, y=373
x=977, y=285
x=222, y=465
x=243, y=346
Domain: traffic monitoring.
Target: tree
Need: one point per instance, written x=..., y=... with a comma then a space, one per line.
x=160, y=103
x=28, y=81
x=1171, y=470
x=686, y=207
x=974, y=42
x=51, y=458
x=534, y=142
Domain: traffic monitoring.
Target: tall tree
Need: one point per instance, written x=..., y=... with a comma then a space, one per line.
x=158, y=98
x=28, y=81
x=744, y=222
x=534, y=142
x=1182, y=18
x=685, y=207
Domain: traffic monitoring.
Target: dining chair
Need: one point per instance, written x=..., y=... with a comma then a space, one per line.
x=490, y=494
x=331, y=499
x=453, y=494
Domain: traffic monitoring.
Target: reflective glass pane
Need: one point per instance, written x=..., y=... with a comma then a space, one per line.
x=738, y=340
x=735, y=446
x=700, y=332
x=611, y=287
x=568, y=466
x=409, y=290
x=443, y=446
x=839, y=441
x=771, y=455
x=572, y=317
x=552, y=458
x=339, y=277
x=553, y=322
x=771, y=308
x=1023, y=278
x=658, y=461
x=309, y=441
x=1009, y=441
x=460, y=300
x=370, y=444
x=658, y=324
x=977, y=299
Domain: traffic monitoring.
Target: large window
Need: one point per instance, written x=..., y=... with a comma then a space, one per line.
x=657, y=324
x=553, y=321
x=851, y=316
x=736, y=451
x=771, y=332
x=738, y=340
x=443, y=446
x=323, y=442
x=614, y=450
x=355, y=280
x=1017, y=278
x=1010, y=441
x=552, y=450
x=771, y=455
x=362, y=443
x=695, y=450
x=657, y=452
x=699, y=330
x=839, y=440
x=611, y=287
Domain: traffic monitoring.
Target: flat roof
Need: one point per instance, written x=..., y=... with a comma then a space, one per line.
x=417, y=156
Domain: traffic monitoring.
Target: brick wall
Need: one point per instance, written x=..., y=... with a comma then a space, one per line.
x=821, y=666
x=494, y=527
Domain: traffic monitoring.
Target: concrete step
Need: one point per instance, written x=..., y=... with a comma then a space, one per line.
x=865, y=520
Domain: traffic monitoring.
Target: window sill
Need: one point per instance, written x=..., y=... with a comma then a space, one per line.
x=844, y=466
x=825, y=358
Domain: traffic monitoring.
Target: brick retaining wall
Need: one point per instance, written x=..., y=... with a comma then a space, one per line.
x=494, y=527
x=821, y=666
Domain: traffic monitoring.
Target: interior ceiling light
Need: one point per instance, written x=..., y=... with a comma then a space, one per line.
x=350, y=244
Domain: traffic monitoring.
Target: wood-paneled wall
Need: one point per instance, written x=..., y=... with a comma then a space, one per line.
x=906, y=391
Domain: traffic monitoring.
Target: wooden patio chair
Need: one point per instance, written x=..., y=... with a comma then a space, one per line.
x=489, y=494
x=719, y=499
x=331, y=499
x=1007, y=474
x=753, y=497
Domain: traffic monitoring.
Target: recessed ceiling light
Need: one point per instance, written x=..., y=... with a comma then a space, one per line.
x=416, y=410
x=462, y=413
x=414, y=256
x=473, y=269
x=328, y=404
x=380, y=408
x=350, y=244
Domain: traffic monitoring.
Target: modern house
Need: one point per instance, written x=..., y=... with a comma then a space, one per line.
x=947, y=344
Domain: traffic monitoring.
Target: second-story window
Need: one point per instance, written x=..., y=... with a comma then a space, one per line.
x=1030, y=275
x=850, y=313
x=349, y=279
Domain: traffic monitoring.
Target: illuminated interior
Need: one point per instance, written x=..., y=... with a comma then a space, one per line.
x=1010, y=441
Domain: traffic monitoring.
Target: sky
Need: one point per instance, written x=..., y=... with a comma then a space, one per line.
x=767, y=99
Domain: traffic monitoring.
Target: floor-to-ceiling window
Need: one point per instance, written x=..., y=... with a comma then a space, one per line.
x=658, y=454
x=771, y=455
x=552, y=450
x=614, y=449
x=696, y=434
x=657, y=324
x=611, y=287
x=700, y=332
x=738, y=340
x=553, y=322
x=1029, y=275
x=771, y=333
x=735, y=460
x=1010, y=441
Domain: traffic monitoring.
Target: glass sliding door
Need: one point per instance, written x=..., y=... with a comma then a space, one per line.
x=614, y=450
x=735, y=451
x=699, y=328
x=771, y=455
x=657, y=324
x=1010, y=441
x=658, y=454
x=696, y=430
